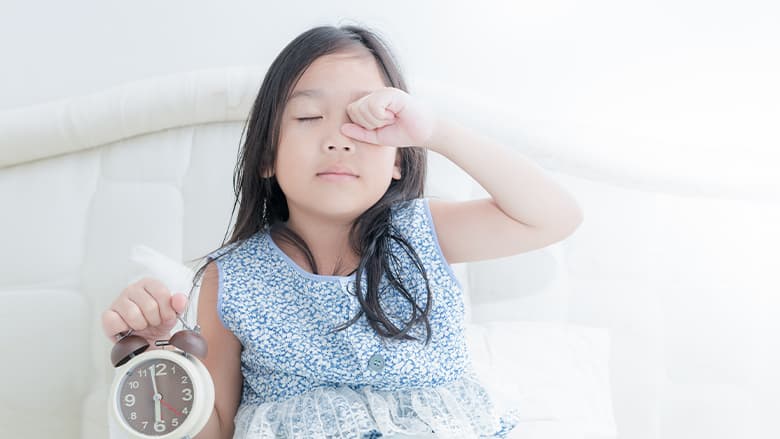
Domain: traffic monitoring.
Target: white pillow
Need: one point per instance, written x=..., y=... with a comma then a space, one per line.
x=554, y=372
x=531, y=286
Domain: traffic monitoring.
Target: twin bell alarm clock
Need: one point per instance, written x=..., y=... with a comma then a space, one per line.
x=161, y=393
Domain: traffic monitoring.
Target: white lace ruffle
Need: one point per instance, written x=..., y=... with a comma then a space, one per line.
x=460, y=409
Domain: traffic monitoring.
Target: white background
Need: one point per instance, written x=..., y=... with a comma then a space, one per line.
x=685, y=86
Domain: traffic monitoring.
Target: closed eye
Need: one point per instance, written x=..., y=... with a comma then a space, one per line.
x=308, y=119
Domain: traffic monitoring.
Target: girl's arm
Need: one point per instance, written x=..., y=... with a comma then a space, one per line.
x=223, y=360
x=528, y=210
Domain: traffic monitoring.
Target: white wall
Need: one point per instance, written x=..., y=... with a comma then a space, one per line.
x=655, y=83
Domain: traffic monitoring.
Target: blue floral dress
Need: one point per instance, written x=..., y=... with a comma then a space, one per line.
x=303, y=380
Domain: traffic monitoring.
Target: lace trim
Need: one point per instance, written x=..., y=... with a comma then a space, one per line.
x=460, y=409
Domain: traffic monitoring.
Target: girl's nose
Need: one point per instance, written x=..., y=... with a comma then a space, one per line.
x=344, y=147
x=336, y=140
x=339, y=142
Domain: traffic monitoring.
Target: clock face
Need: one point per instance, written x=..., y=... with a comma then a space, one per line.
x=155, y=397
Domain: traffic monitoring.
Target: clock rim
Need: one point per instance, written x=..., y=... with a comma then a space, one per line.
x=202, y=384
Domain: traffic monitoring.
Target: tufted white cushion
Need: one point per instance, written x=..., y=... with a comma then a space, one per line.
x=149, y=162
x=43, y=361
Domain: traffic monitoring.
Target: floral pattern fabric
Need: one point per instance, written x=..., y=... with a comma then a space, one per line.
x=303, y=380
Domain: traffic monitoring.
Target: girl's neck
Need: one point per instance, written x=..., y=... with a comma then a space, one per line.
x=328, y=244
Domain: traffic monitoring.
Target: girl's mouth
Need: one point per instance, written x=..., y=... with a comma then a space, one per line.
x=335, y=176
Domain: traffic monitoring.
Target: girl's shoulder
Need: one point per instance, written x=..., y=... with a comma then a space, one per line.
x=405, y=215
x=412, y=218
x=403, y=209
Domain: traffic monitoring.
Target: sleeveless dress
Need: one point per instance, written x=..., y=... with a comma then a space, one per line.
x=303, y=380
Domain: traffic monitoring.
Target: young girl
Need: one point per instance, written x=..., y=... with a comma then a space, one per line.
x=333, y=311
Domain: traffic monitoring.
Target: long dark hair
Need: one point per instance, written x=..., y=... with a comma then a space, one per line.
x=262, y=205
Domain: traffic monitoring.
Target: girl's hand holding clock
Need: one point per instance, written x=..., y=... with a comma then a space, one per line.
x=147, y=307
x=156, y=391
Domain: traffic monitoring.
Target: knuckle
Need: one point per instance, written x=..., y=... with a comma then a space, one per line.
x=109, y=319
x=135, y=319
x=147, y=282
x=152, y=283
x=150, y=308
x=167, y=313
x=132, y=289
x=157, y=290
x=109, y=316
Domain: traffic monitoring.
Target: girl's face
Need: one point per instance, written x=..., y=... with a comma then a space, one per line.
x=308, y=149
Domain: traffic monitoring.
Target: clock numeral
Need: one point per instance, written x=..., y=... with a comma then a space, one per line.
x=175, y=422
x=130, y=400
x=159, y=426
x=133, y=384
x=161, y=371
x=133, y=416
x=145, y=423
x=187, y=394
x=143, y=373
x=185, y=379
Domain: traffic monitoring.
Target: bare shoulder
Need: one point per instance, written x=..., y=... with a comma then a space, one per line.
x=208, y=313
x=478, y=229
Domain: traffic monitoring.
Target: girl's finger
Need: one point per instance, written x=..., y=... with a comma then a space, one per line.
x=130, y=313
x=179, y=302
x=359, y=115
x=369, y=111
x=113, y=324
x=147, y=304
x=359, y=119
x=381, y=114
x=357, y=132
x=162, y=295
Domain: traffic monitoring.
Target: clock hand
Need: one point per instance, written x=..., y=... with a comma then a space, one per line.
x=170, y=408
x=157, y=397
x=157, y=409
x=154, y=383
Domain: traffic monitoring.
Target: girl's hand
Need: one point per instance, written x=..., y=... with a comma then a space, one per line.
x=147, y=307
x=390, y=117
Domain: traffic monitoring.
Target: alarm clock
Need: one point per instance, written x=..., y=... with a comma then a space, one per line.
x=161, y=393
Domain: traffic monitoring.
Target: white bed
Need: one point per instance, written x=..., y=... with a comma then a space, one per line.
x=580, y=335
